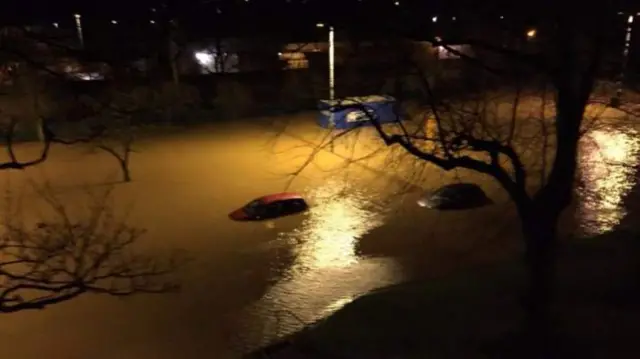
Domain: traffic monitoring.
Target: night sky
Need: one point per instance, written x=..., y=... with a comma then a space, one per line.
x=254, y=16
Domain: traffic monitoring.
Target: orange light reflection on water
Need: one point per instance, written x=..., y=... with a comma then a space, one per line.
x=607, y=162
x=336, y=221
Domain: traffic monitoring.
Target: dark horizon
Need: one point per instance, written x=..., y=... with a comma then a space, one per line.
x=241, y=13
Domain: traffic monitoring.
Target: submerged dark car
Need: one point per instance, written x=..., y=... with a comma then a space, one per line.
x=455, y=196
x=270, y=207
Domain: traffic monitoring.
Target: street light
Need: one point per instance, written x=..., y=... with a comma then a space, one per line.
x=531, y=33
x=79, y=29
x=615, y=100
x=332, y=60
x=332, y=63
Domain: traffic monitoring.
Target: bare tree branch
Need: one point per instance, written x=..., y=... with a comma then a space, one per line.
x=62, y=258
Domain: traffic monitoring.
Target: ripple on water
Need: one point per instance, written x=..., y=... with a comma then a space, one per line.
x=608, y=166
x=327, y=271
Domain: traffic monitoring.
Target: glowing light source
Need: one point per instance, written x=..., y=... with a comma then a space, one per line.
x=332, y=61
x=434, y=19
x=319, y=24
x=78, y=19
x=204, y=58
x=531, y=33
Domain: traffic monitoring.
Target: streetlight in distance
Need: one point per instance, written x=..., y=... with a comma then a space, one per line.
x=78, y=19
x=617, y=98
x=531, y=33
x=332, y=60
x=332, y=63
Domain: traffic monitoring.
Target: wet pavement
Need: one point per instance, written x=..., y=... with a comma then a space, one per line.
x=252, y=282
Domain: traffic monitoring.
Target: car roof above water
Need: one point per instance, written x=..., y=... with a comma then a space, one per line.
x=280, y=197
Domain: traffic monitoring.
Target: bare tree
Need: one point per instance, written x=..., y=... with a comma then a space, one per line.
x=28, y=97
x=127, y=115
x=65, y=256
x=118, y=142
x=550, y=82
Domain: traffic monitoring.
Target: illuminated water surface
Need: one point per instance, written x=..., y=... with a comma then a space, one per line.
x=608, y=163
x=325, y=261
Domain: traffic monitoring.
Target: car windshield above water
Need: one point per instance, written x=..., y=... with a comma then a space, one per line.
x=253, y=207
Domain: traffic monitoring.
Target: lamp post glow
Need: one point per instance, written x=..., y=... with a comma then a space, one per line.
x=332, y=58
x=615, y=101
x=79, y=29
x=531, y=33
x=625, y=52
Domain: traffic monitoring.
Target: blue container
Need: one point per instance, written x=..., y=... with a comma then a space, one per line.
x=342, y=114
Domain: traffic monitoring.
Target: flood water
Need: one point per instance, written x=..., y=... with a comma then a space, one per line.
x=608, y=172
x=253, y=282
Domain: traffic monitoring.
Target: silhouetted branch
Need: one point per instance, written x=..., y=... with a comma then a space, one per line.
x=64, y=257
x=49, y=138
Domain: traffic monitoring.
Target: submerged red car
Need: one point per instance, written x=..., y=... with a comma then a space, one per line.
x=270, y=207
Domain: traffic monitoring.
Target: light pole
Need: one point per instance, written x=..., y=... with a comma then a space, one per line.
x=332, y=61
x=79, y=29
x=332, y=64
x=615, y=101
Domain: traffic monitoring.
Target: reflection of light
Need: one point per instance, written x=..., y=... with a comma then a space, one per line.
x=607, y=173
x=326, y=273
x=337, y=305
x=612, y=148
x=334, y=224
x=87, y=76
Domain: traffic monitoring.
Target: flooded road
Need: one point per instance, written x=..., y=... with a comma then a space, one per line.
x=252, y=282
x=608, y=172
x=327, y=269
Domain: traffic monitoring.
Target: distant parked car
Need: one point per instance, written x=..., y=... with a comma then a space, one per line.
x=455, y=196
x=270, y=207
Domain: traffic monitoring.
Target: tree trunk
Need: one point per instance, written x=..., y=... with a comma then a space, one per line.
x=540, y=231
x=126, y=174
